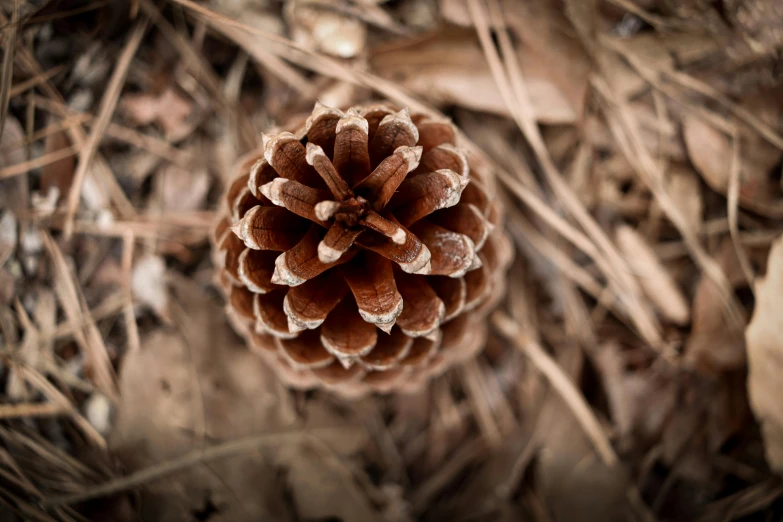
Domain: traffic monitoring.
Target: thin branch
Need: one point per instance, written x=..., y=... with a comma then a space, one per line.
x=200, y=456
x=732, y=202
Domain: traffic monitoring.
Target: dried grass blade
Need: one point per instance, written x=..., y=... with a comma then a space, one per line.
x=89, y=338
x=7, y=71
x=315, y=62
x=111, y=305
x=134, y=340
x=48, y=452
x=741, y=113
x=732, y=202
x=16, y=411
x=202, y=71
x=477, y=396
x=24, y=167
x=562, y=385
x=268, y=59
x=106, y=110
x=452, y=468
x=21, y=478
x=53, y=128
x=525, y=234
x=53, y=394
x=654, y=76
x=625, y=130
x=36, y=80
x=152, y=144
x=608, y=257
x=76, y=134
x=198, y=456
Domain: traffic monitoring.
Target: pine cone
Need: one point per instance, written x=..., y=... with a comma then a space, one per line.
x=363, y=252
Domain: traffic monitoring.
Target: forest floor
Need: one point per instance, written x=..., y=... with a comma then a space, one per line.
x=634, y=370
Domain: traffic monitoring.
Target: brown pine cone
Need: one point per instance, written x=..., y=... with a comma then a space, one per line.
x=363, y=252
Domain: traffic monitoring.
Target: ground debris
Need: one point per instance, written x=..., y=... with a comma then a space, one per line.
x=631, y=372
x=765, y=357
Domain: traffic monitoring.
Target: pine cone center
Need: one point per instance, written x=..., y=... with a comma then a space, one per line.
x=351, y=211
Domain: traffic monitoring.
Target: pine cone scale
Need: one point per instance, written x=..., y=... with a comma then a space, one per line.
x=256, y=268
x=288, y=157
x=307, y=306
x=270, y=228
x=295, y=197
x=305, y=351
x=389, y=350
x=351, y=154
x=394, y=130
x=270, y=316
x=345, y=334
x=382, y=183
x=301, y=263
x=452, y=254
x=412, y=256
x=371, y=279
x=424, y=311
x=323, y=166
x=337, y=241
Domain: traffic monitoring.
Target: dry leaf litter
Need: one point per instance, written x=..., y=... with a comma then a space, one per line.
x=632, y=368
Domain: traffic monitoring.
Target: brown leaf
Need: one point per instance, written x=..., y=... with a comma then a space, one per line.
x=711, y=153
x=183, y=190
x=9, y=237
x=764, y=337
x=640, y=401
x=656, y=281
x=574, y=483
x=448, y=66
x=58, y=173
x=682, y=184
x=553, y=62
x=325, y=30
x=169, y=109
x=12, y=152
x=323, y=488
x=713, y=343
x=190, y=385
x=148, y=283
